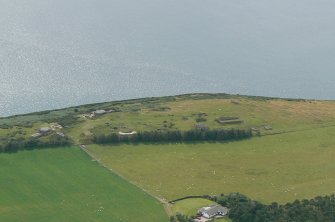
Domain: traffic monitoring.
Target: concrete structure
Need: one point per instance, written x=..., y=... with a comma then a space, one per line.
x=45, y=131
x=55, y=126
x=201, y=126
x=36, y=135
x=60, y=134
x=128, y=134
x=99, y=112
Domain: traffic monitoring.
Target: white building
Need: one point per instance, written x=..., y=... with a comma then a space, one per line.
x=45, y=130
x=213, y=211
x=99, y=112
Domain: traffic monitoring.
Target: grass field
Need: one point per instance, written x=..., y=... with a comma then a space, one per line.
x=281, y=115
x=190, y=207
x=294, y=158
x=65, y=185
x=280, y=168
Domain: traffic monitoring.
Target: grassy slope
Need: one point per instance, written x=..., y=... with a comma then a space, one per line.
x=65, y=185
x=271, y=168
x=282, y=115
x=179, y=112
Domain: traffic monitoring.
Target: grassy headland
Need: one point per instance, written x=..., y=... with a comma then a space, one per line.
x=264, y=115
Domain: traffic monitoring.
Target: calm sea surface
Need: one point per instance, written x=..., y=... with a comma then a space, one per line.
x=58, y=53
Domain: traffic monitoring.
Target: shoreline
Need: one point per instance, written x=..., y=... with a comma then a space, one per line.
x=134, y=100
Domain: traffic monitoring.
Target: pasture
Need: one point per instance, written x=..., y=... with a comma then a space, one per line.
x=190, y=207
x=280, y=168
x=184, y=113
x=65, y=185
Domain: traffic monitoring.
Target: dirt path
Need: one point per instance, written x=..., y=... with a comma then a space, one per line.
x=166, y=204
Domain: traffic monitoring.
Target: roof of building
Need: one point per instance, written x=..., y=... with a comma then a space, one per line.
x=201, y=125
x=45, y=129
x=36, y=135
x=60, y=134
x=213, y=210
x=101, y=111
x=130, y=133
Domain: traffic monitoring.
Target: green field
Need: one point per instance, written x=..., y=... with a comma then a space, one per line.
x=190, y=207
x=271, y=168
x=65, y=185
x=292, y=159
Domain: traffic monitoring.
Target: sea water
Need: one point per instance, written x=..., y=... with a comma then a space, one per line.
x=59, y=53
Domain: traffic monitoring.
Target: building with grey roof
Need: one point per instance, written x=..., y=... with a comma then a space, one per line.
x=45, y=130
x=213, y=211
x=201, y=126
x=99, y=112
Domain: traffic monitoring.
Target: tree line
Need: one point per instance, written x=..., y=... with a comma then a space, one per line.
x=18, y=144
x=243, y=209
x=175, y=136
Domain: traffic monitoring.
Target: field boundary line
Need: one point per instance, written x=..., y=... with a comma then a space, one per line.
x=296, y=130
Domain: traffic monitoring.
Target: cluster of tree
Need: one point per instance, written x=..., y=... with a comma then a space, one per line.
x=65, y=121
x=17, y=144
x=181, y=218
x=243, y=209
x=175, y=136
